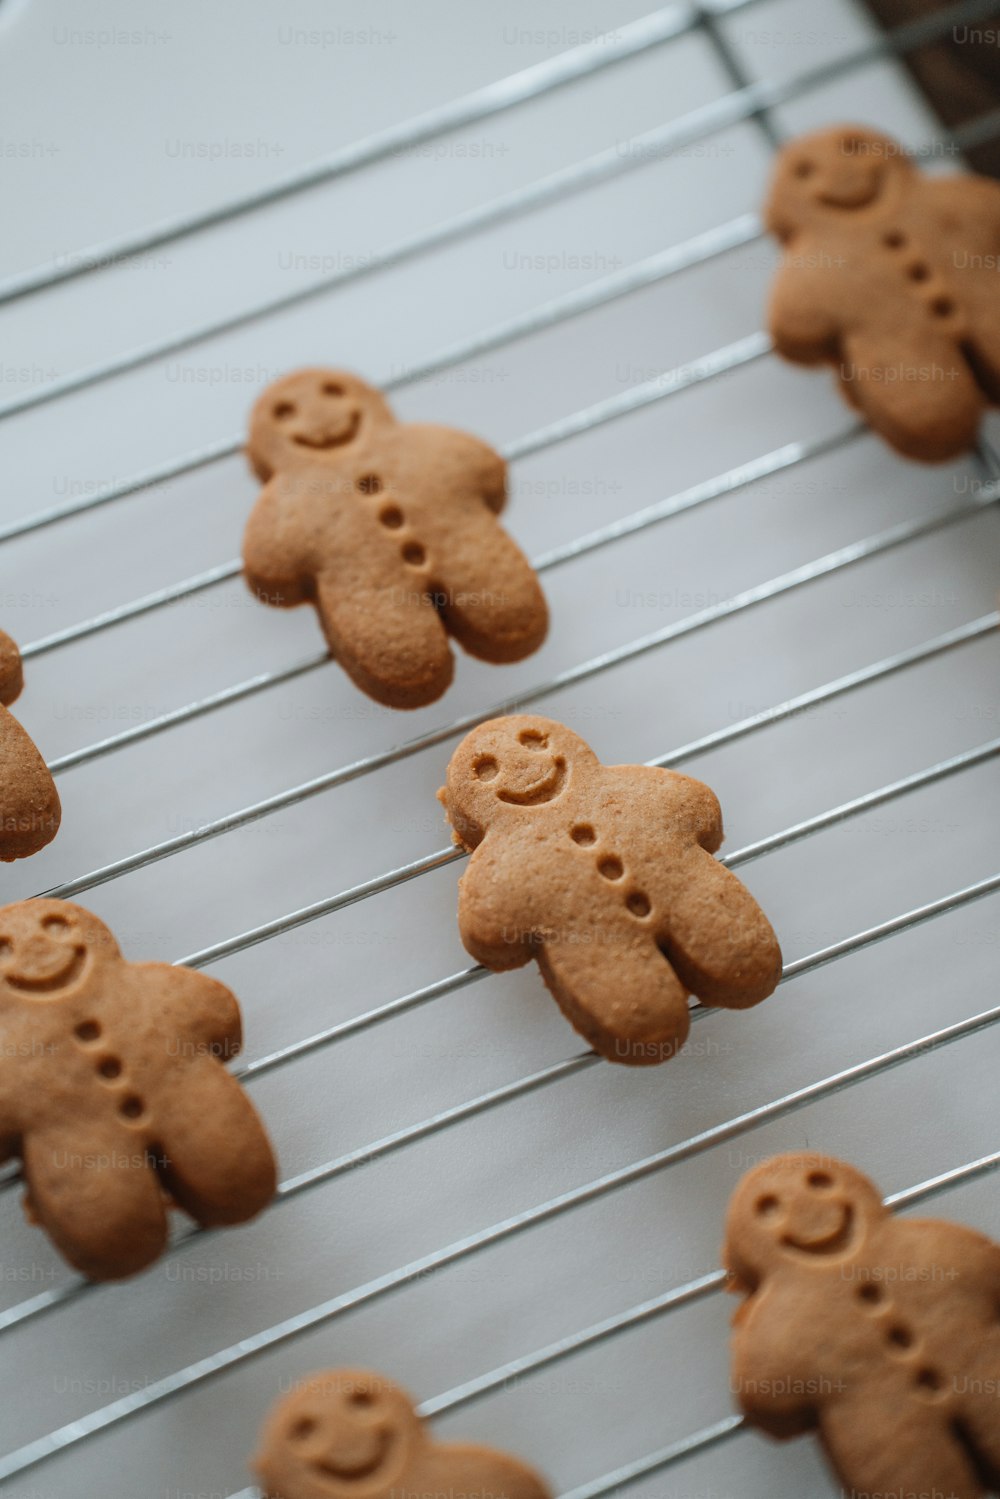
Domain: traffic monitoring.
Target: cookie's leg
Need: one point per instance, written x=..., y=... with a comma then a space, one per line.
x=621, y=995
x=901, y=1448
x=98, y=1198
x=390, y=640
x=980, y=1420
x=29, y=802
x=917, y=391
x=218, y=1165
x=983, y=354
x=491, y=599
x=718, y=938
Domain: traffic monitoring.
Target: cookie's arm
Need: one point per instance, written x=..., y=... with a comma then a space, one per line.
x=966, y=1261
x=498, y=918
x=11, y=1110
x=694, y=809
x=688, y=809
x=276, y=560
x=802, y=315
x=460, y=1467
x=190, y=1005
x=464, y=461
x=774, y=1374
x=971, y=202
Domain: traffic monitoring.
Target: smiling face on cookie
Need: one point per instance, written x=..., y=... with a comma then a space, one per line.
x=48, y=947
x=833, y=172
x=346, y=1434
x=798, y=1209
x=310, y=416
x=509, y=767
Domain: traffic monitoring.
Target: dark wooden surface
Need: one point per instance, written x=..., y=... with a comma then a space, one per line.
x=960, y=75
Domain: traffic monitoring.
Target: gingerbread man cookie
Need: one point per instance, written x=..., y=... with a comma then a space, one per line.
x=891, y=277
x=881, y=1333
x=605, y=874
x=114, y=1093
x=350, y=1434
x=29, y=802
x=390, y=529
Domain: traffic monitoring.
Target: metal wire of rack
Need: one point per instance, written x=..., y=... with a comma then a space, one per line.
x=747, y=102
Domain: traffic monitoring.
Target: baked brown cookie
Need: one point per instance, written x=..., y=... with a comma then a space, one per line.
x=605, y=874
x=390, y=529
x=29, y=802
x=880, y=1333
x=891, y=277
x=114, y=1093
x=351, y=1434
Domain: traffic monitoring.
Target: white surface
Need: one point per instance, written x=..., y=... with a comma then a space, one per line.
x=111, y=113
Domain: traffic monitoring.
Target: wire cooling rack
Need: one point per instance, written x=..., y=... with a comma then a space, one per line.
x=743, y=583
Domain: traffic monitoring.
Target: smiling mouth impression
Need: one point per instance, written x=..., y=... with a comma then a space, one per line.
x=346, y=435
x=856, y=194
x=363, y=1467
x=51, y=983
x=541, y=791
x=831, y=1243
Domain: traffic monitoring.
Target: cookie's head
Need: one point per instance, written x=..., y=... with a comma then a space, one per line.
x=798, y=1209
x=48, y=948
x=311, y=416
x=11, y=675
x=508, y=767
x=833, y=173
x=343, y=1434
